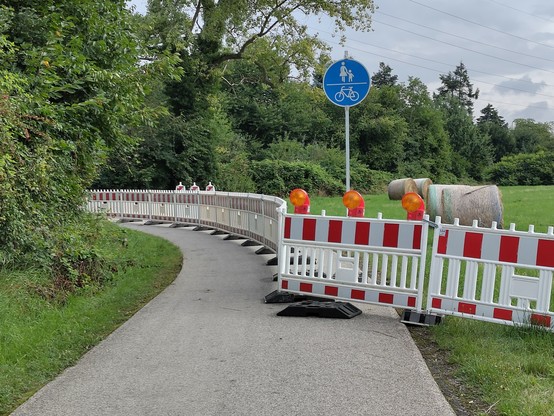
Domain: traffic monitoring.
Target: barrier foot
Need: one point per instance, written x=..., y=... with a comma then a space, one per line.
x=339, y=310
x=219, y=232
x=278, y=296
x=272, y=262
x=202, y=228
x=410, y=317
x=180, y=225
x=250, y=243
x=125, y=220
x=264, y=250
x=233, y=237
x=154, y=222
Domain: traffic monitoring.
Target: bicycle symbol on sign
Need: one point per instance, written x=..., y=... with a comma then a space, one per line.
x=347, y=92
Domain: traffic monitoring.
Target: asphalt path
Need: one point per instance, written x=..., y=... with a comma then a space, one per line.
x=209, y=345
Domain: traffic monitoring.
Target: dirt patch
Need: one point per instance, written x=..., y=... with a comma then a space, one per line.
x=465, y=400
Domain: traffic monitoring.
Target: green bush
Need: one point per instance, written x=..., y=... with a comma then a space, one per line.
x=276, y=177
x=523, y=169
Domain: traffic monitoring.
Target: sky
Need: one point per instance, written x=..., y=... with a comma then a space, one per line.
x=507, y=46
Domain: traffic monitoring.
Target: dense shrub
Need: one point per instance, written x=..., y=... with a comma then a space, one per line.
x=523, y=169
x=276, y=177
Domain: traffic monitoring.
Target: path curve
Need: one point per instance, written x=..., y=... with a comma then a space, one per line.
x=208, y=345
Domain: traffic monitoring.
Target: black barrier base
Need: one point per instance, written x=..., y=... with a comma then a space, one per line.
x=338, y=310
x=125, y=220
x=250, y=243
x=233, y=237
x=278, y=296
x=219, y=232
x=202, y=228
x=264, y=250
x=410, y=317
x=181, y=225
x=154, y=222
x=272, y=262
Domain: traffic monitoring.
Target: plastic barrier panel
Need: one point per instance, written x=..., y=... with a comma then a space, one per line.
x=354, y=259
x=502, y=276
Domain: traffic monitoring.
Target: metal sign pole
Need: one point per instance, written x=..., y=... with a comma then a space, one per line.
x=347, y=148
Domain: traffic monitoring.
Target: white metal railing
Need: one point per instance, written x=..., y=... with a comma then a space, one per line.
x=250, y=215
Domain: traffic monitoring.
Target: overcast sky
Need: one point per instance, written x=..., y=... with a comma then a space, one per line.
x=507, y=47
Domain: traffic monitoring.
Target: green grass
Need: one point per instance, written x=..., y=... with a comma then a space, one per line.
x=511, y=368
x=39, y=337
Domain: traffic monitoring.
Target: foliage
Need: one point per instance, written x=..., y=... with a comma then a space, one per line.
x=523, y=169
x=275, y=177
x=70, y=88
x=530, y=136
x=383, y=76
x=456, y=84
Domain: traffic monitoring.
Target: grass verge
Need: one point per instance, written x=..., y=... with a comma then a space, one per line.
x=42, y=335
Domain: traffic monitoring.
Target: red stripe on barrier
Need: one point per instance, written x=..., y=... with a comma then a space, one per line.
x=285, y=284
x=508, y=248
x=542, y=320
x=386, y=298
x=443, y=243
x=412, y=301
x=331, y=290
x=416, y=243
x=335, y=231
x=390, y=237
x=473, y=242
x=306, y=287
x=436, y=303
x=287, y=227
x=308, y=229
x=362, y=233
x=545, y=253
x=357, y=294
x=504, y=314
x=467, y=308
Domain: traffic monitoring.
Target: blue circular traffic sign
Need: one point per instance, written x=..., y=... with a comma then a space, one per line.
x=346, y=83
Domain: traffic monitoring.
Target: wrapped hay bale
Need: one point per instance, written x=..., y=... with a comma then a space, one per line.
x=423, y=186
x=399, y=187
x=467, y=203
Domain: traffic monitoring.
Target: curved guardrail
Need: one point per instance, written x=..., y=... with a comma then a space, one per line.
x=253, y=216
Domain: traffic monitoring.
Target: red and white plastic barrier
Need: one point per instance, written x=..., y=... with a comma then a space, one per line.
x=354, y=259
x=506, y=274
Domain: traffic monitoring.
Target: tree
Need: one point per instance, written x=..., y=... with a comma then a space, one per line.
x=457, y=84
x=427, y=151
x=383, y=76
x=213, y=33
x=472, y=151
x=493, y=125
x=71, y=86
x=531, y=136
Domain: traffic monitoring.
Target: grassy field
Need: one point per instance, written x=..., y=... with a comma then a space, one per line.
x=39, y=337
x=509, y=371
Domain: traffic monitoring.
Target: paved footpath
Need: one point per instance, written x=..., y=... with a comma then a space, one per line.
x=208, y=345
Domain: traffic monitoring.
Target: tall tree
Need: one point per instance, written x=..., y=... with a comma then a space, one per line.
x=383, y=76
x=457, y=84
x=492, y=124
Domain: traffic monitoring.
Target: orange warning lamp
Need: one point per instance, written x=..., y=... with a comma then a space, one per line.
x=414, y=205
x=355, y=204
x=301, y=201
